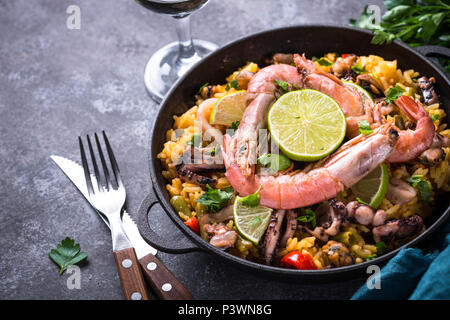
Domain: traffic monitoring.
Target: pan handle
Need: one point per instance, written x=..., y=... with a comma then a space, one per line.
x=163, y=244
x=433, y=51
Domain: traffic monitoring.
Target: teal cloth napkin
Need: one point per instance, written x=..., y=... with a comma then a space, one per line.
x=413, y=274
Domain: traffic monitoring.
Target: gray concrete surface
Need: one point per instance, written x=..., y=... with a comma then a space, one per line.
x=56, y=84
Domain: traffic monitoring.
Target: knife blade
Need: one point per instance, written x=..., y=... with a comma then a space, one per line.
x=162, y=281
x=75, y=173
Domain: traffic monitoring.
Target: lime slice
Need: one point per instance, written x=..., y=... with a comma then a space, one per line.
x=364, y=94
x=307, y=124
x=229, y=108
x=373, y=187
x=251, y=222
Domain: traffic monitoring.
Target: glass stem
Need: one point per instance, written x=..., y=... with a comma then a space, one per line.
x=187, y=49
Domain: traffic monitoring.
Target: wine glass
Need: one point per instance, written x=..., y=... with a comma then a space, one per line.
x=173, y=60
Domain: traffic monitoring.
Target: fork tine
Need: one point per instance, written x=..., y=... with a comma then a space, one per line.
x=112, y=158
x=102, y=158
x=94, y=162
x=87, y=174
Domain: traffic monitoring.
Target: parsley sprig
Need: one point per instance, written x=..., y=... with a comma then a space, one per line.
x=415, y=22
x=310, y=216
x=275, y=162
x=424, y=188
x=215, y=199
x=364, y=127
x=394, y=93
x=66, y=254
x=252, y=200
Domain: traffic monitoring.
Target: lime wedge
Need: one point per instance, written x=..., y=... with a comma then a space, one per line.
x=364, y=94
x=307, y=124
x=373, y=187
x=229, y=108
x=251, y=222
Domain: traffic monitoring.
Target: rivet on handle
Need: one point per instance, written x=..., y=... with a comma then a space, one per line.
x=127, y=263
x=166, y=287
x=136, y=296
x=151, y=266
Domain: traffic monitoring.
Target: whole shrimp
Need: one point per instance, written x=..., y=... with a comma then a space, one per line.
x=202, y=122
x=410, y=144
x=348, y=99
x=325, y=180
x=261, y=94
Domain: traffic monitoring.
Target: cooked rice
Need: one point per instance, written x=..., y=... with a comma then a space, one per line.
x=388, y=75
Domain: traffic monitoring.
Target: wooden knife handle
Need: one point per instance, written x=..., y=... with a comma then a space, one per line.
x=162, y=281
x=133, y=284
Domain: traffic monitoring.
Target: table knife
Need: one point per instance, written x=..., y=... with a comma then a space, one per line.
x=162, y=281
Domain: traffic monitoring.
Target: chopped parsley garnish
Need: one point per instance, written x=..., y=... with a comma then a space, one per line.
x=359, y=69
x=423, y=186
x=215, y=199
x=362, y=201
x=322, y=61
x=435, y=117
x=275, y=162
x=381, y=248
x=364, y=127
x=214, y=151
x=394, y=93
x=235, y=125
x=371, y=257
x=283, y=85
x=310, y=216
x=252, y=200
x=202, y=87
x=233, y=84
x=66, y=254
x=196, y=140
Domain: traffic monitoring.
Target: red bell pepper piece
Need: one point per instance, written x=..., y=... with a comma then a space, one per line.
x=193, y=224
x=298, y=260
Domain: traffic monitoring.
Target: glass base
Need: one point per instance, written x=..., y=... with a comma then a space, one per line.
x=163, y=68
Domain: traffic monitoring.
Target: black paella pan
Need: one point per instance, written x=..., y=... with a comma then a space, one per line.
x=314, y=40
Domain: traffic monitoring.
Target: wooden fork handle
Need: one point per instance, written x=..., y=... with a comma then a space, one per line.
x=162, y=281
x=133, y=283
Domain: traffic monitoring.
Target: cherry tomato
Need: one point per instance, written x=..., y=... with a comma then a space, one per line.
x=298, y=260
x=193, y=224
x=345, y=55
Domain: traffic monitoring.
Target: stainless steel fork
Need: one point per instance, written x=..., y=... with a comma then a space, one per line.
x=108, y=196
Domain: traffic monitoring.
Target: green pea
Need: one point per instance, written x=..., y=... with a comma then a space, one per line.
x=180, y=205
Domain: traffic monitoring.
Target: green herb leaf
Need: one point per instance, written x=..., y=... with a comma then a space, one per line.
x=283, y=85
x=235, y=125
x=435, y=117
x=357, y=68
x=381, y=247
x=202, y=87
x=67, y=254
x=310, y=216
x=422, y=186
x=233, y=84
x=371, y=257
x=196, y=140
x=362, y=201
x=364, y=127
x=252, y=200
x=394, y=93
x=275, y=162
x=215, y=199
x=415, y=22
x=324, y=62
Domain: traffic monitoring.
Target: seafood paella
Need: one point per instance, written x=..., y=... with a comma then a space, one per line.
x=310, y=163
